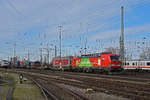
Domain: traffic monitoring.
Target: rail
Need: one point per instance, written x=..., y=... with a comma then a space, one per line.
x=48, y=95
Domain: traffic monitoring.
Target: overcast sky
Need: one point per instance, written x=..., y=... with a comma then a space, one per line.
x=34, y=23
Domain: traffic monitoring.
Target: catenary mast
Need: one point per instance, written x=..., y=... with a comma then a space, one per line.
x=122, y=35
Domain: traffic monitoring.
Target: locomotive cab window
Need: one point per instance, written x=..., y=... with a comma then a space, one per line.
x=114, y=58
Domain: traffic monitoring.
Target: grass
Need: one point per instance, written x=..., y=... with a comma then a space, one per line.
x=5, y=87
x=26, y=91
x=4, y=94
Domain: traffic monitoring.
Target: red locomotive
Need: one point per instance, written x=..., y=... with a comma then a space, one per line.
x=97, y=62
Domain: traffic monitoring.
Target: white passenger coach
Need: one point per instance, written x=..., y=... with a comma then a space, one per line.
x=137, y=65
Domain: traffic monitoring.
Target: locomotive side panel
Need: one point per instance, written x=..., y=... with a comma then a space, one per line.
x=105, y=62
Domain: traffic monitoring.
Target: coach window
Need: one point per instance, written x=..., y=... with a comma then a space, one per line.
x=127, y=63
x=133, y=64
x=136, y=63
x=148, y=63
x=123, y=63
x=143, y=64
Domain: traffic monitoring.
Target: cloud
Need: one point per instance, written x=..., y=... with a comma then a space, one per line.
x=27, y=14
x=44, y=16
x=135, y=30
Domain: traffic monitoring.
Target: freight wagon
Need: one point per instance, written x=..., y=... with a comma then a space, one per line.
x=19, y=64
x=16, y=64
x=22, y=64
x=35, y=64
x=25, y=64
x=63, y=63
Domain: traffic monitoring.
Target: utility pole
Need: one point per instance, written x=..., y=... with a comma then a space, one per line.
x=41, y=57
x=48, y=50
x=48, y=56
x=55, y=51
x=14, y=51
x=60, y=42
x=45, y=58
x=28, y=56
x=85, y=45
x=122, y=35
x=86, y=40
x=8, y=58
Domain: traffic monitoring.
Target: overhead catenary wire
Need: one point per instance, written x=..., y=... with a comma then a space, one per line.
x=12, y=6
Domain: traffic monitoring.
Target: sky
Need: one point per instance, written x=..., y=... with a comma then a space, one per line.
x=34, y=24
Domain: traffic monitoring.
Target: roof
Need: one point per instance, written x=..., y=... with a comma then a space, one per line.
x=65, y=57
x=93, y=55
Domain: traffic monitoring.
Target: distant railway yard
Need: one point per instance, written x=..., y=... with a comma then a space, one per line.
x=60, y=85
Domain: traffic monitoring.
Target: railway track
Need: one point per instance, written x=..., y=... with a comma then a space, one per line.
x=130, y=90
x=120, y=78
x=109, y=87
x=48, y=95
x=46, y=87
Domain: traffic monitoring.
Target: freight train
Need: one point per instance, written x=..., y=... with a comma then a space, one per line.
x=20, y=64
x=102, y=62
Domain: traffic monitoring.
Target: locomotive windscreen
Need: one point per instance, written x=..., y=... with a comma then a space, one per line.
x=114, y=58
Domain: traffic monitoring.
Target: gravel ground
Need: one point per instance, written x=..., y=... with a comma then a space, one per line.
x=93, y=95
x=1, y=82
